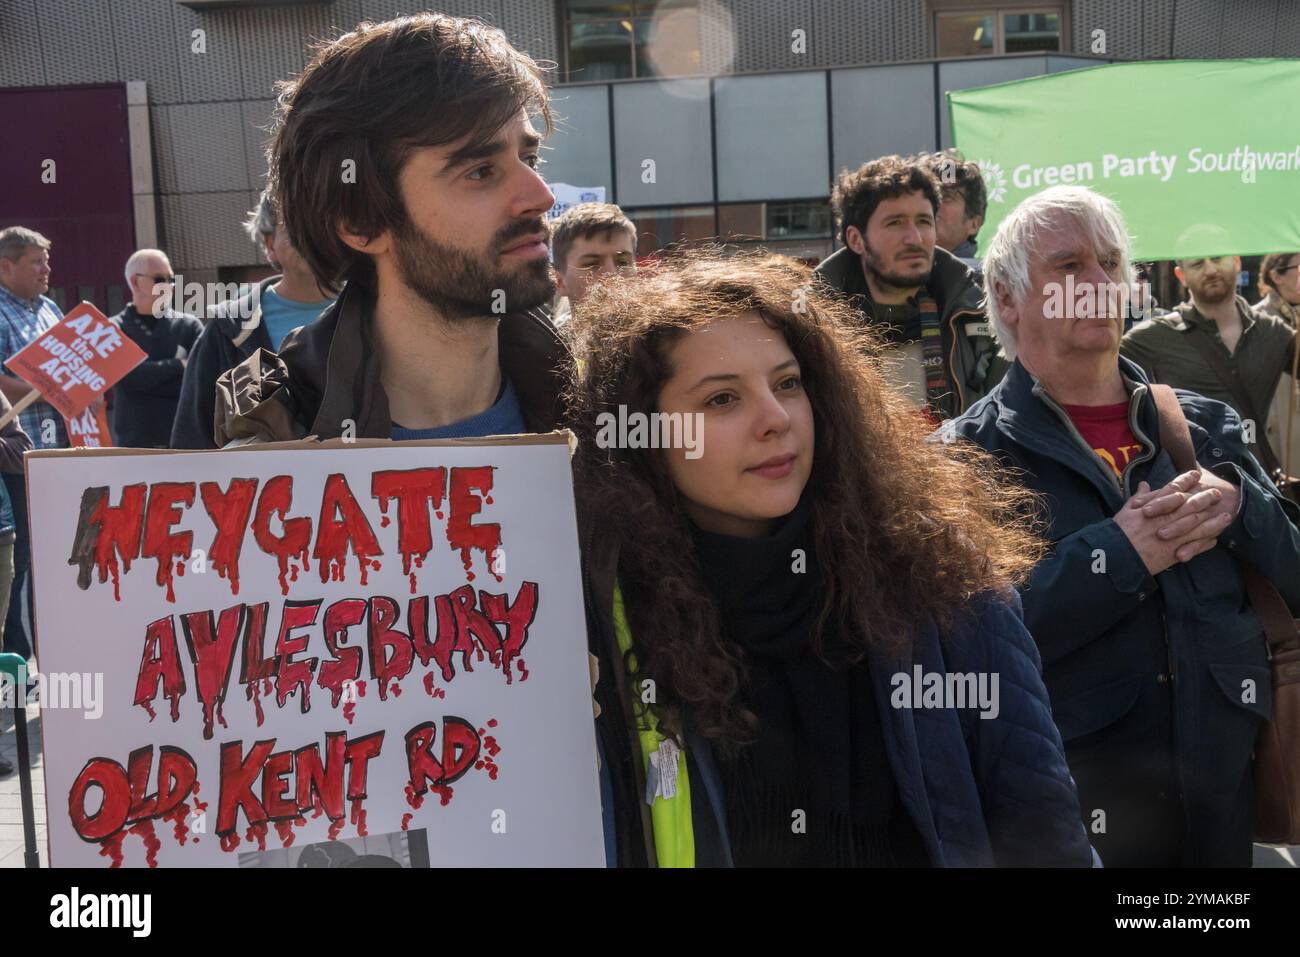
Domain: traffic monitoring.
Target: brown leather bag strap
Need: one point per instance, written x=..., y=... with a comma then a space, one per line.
x=1175, y=436
x=1176, y=439
x=1280, y=627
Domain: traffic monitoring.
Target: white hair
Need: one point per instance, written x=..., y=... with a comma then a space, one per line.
x=138, y=257
x=1059, y=207
x=261, y=219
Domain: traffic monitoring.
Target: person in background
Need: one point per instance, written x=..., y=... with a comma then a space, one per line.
x=941, y=349
x=143, y=404
x=1215, y=345
x=590, y=241
x=238, y=328
x=963, y=201
x=13, y=443
x=25, y=314
x=297, y=298
x=1279, y=284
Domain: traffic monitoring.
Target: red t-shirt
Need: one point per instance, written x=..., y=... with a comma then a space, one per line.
x=1106, y=429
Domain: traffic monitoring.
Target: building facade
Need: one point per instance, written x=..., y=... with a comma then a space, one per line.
x=703, y=118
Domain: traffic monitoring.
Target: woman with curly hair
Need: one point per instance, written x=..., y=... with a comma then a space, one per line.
x=810, y=647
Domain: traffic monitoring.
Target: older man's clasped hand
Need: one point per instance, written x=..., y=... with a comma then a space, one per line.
x=1179, y=521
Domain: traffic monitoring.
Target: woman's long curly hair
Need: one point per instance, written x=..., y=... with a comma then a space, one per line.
x=906, y=530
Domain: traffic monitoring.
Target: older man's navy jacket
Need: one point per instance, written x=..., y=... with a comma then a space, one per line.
x=1159, y=684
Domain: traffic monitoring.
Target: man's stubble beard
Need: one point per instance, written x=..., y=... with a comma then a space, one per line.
x=462, y=286
x=1213, y=299
x=872, y=264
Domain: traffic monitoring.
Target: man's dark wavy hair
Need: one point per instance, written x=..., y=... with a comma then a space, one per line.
x=371, y=97
x=858, y=192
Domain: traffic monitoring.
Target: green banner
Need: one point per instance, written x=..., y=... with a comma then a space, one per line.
x=1202, y=156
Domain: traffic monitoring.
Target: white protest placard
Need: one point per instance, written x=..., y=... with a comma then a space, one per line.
x=338, y=654
x=567, y=196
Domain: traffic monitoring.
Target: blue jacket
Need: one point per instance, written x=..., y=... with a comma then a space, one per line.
x=1159, y=684
x=981, y=792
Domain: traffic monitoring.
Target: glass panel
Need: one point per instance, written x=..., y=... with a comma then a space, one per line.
x=798, y=220
x=600, y=50
x=56, y=293
x=740, y=221
x=1029, y=32
x=657, y=228
x=85, y=294
x=579, y=9
x=964, y=34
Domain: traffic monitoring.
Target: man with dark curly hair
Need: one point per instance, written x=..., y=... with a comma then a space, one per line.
x=943, y=354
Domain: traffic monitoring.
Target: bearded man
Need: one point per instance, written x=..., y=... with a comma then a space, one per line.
x=943, y=353
x=405, y=164
x=1215, y=345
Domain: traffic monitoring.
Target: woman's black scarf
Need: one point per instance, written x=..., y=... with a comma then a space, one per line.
x=815, y=788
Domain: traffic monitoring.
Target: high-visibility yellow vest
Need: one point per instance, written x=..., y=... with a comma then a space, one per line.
x=671, y=817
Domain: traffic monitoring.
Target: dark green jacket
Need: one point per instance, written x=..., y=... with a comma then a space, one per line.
x=970, y=348
x=1164, y=347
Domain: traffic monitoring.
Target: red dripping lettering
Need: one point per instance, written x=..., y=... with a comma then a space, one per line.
x=229, y=511
x=160, y=542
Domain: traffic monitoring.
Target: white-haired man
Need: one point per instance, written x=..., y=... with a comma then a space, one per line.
x=143, y=404
x=1154, y=659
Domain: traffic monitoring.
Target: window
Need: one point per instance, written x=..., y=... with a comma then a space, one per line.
x=625, y=39
x=1031, y=32
x=799, y=220
x=801, y=230
x=995, y=30
x=747, y=222
x=657, y=228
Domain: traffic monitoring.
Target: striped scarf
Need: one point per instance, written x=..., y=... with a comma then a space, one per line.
x=938, y=387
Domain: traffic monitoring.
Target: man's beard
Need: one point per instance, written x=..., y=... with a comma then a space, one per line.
x=461, y=285
x=1214, y=295
x=874, y=265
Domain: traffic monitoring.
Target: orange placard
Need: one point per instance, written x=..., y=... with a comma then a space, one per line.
x=77, y=361
x=90, y=429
